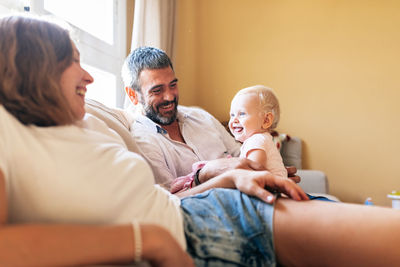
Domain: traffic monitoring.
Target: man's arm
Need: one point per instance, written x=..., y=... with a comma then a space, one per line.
x=216, y=167
x=291, y=170
x=151, y=150
x=163, y=175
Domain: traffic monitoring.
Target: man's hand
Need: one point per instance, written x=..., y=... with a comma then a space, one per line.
x=216, y=167
x=291, y=170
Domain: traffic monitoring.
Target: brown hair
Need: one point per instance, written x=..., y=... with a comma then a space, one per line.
x=33, y=55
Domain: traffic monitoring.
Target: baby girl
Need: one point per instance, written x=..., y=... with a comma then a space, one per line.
x=254, y=114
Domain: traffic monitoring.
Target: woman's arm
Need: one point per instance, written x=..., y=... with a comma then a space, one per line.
x=71, y=245
x=254, y=183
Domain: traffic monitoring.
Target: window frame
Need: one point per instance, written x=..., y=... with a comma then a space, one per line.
x=96, y=52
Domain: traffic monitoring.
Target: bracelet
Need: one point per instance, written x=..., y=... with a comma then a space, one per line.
x=196, y=177
x=137, y=236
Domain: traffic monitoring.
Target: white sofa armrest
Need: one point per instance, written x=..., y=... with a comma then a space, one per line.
x=313, y=181
x=115, y=119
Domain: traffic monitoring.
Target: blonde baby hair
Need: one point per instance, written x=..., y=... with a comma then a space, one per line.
x=268, y=101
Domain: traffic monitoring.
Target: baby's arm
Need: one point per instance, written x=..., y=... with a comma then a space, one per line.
x=258, y=155
x=261, y=148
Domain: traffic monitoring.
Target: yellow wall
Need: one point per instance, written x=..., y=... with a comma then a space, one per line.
x=334, y=65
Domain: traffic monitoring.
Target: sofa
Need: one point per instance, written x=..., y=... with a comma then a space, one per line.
x=312, y=181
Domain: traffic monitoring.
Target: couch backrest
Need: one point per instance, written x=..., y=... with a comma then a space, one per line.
x=116, y=119
x=291, y=152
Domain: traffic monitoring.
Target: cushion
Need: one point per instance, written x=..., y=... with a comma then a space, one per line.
x=279, y=138
x=116, y=119
x=291, y=152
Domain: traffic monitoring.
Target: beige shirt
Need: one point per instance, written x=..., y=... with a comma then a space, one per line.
x=205, y=137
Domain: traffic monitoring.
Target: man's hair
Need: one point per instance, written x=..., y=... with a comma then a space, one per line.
x=33, y=55
x=267, y=99
x=140, y=59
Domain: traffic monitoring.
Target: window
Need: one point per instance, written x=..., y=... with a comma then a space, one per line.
x=9, y=6
x=106, y=80
x=99, y=30
x=92, y=16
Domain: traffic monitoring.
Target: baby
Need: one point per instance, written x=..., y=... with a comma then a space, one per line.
x=254, y=114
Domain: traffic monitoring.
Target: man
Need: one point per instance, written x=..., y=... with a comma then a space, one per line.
x=173, y=137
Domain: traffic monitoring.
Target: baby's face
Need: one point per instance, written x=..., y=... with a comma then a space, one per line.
x=245, y=116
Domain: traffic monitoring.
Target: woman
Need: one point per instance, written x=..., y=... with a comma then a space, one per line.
x=43, y=84
x=57, y=171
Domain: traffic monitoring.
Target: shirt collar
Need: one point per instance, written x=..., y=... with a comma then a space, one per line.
x=181, y=116
x=154, y=127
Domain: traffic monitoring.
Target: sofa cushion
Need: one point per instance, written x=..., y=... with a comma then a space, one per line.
x=116, y=119
x=291, y=152
x=279, y=139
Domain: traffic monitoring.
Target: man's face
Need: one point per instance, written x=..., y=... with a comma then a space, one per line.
x=159, y=94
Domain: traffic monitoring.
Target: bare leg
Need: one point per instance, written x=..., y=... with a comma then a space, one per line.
x=317, y=233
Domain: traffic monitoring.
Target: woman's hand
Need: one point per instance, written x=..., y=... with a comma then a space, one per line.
x=161, y=249
x=263, y=184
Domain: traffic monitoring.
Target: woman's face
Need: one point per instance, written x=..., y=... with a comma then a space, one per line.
x=73, y=84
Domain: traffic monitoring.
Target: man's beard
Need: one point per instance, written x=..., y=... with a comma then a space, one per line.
x=155, y=115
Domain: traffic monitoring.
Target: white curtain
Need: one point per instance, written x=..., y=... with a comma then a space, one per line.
x=153, y=25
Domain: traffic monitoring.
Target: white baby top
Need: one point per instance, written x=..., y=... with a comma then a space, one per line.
x=263, y=141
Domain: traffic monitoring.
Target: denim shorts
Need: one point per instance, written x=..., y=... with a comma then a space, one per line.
x=225, y=227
